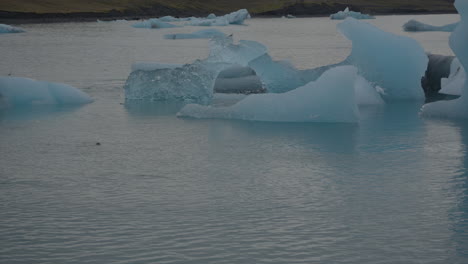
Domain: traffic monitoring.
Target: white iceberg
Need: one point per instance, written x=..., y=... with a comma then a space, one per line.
x=346, y=13
x=153, y=23
x=15, y=91
x=458, y=108
x=329, y=99
x=201, y=34
x=394, y=63
x=10, y=29
x=234, y=18
x=416, y=26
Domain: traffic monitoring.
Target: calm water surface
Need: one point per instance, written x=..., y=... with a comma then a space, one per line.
x=159, y=189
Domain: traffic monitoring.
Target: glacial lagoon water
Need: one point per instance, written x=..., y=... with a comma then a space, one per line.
x=162, y=189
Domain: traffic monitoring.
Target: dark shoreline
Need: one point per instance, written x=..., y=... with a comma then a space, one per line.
x=298, y=10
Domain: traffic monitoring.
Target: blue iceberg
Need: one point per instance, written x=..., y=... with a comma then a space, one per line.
x=458, y=108
x=341, y=15
x=394, y=63
x=153, y=23
x=329, y=99
x=234, y=18
x=416, y=26
x=17, y=92
x=10, y=29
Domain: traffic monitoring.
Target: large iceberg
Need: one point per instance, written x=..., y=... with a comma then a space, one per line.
x=394, y=63
x=201, y=34
x=329, y=99
x=346, y=13
x=9, y=29
x=189, y=83
x=153, y=23
x=15, y=91
x=192, y=82
x=457, y=108
x=416, y=26
x=234, y=18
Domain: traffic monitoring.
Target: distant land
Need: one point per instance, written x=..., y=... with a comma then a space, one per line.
x=87, y=10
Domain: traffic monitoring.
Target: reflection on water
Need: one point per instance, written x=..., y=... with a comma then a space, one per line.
x=25, y=113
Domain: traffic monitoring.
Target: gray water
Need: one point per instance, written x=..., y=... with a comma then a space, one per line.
x=161, y=189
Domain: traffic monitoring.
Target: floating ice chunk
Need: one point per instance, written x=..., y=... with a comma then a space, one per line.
x=329, y=99
x=416, y=26
x=346, y=13
x=395, y=63
x=457, y=108
x=290, y=16
x=15, y=92
x=238, y=17
x=152, y=66
x=224, y=50
x=10, y=29
x=202, y=22
x=238, y=80
x=234, y=18
x=201, y=34
x=211, y=16
x=168, y=19
x=153, y=23
x=189, y=83
x=453, y=85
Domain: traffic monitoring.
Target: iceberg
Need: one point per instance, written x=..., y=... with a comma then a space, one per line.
x=201, y=34
x=188, y=83
x=278, y=76
x=238, y=80
x=453, y=85
x=153, y=23
x=16, y=92
x=394, y=63
x=224, y=50
x=416, y=26
x=346, y=13
x=458, y=108
x=10, y=29
x=234, y=18
x=168, y=19
x=329, y=99
x=192, y=82
x=211, y=16
x=290, y=16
